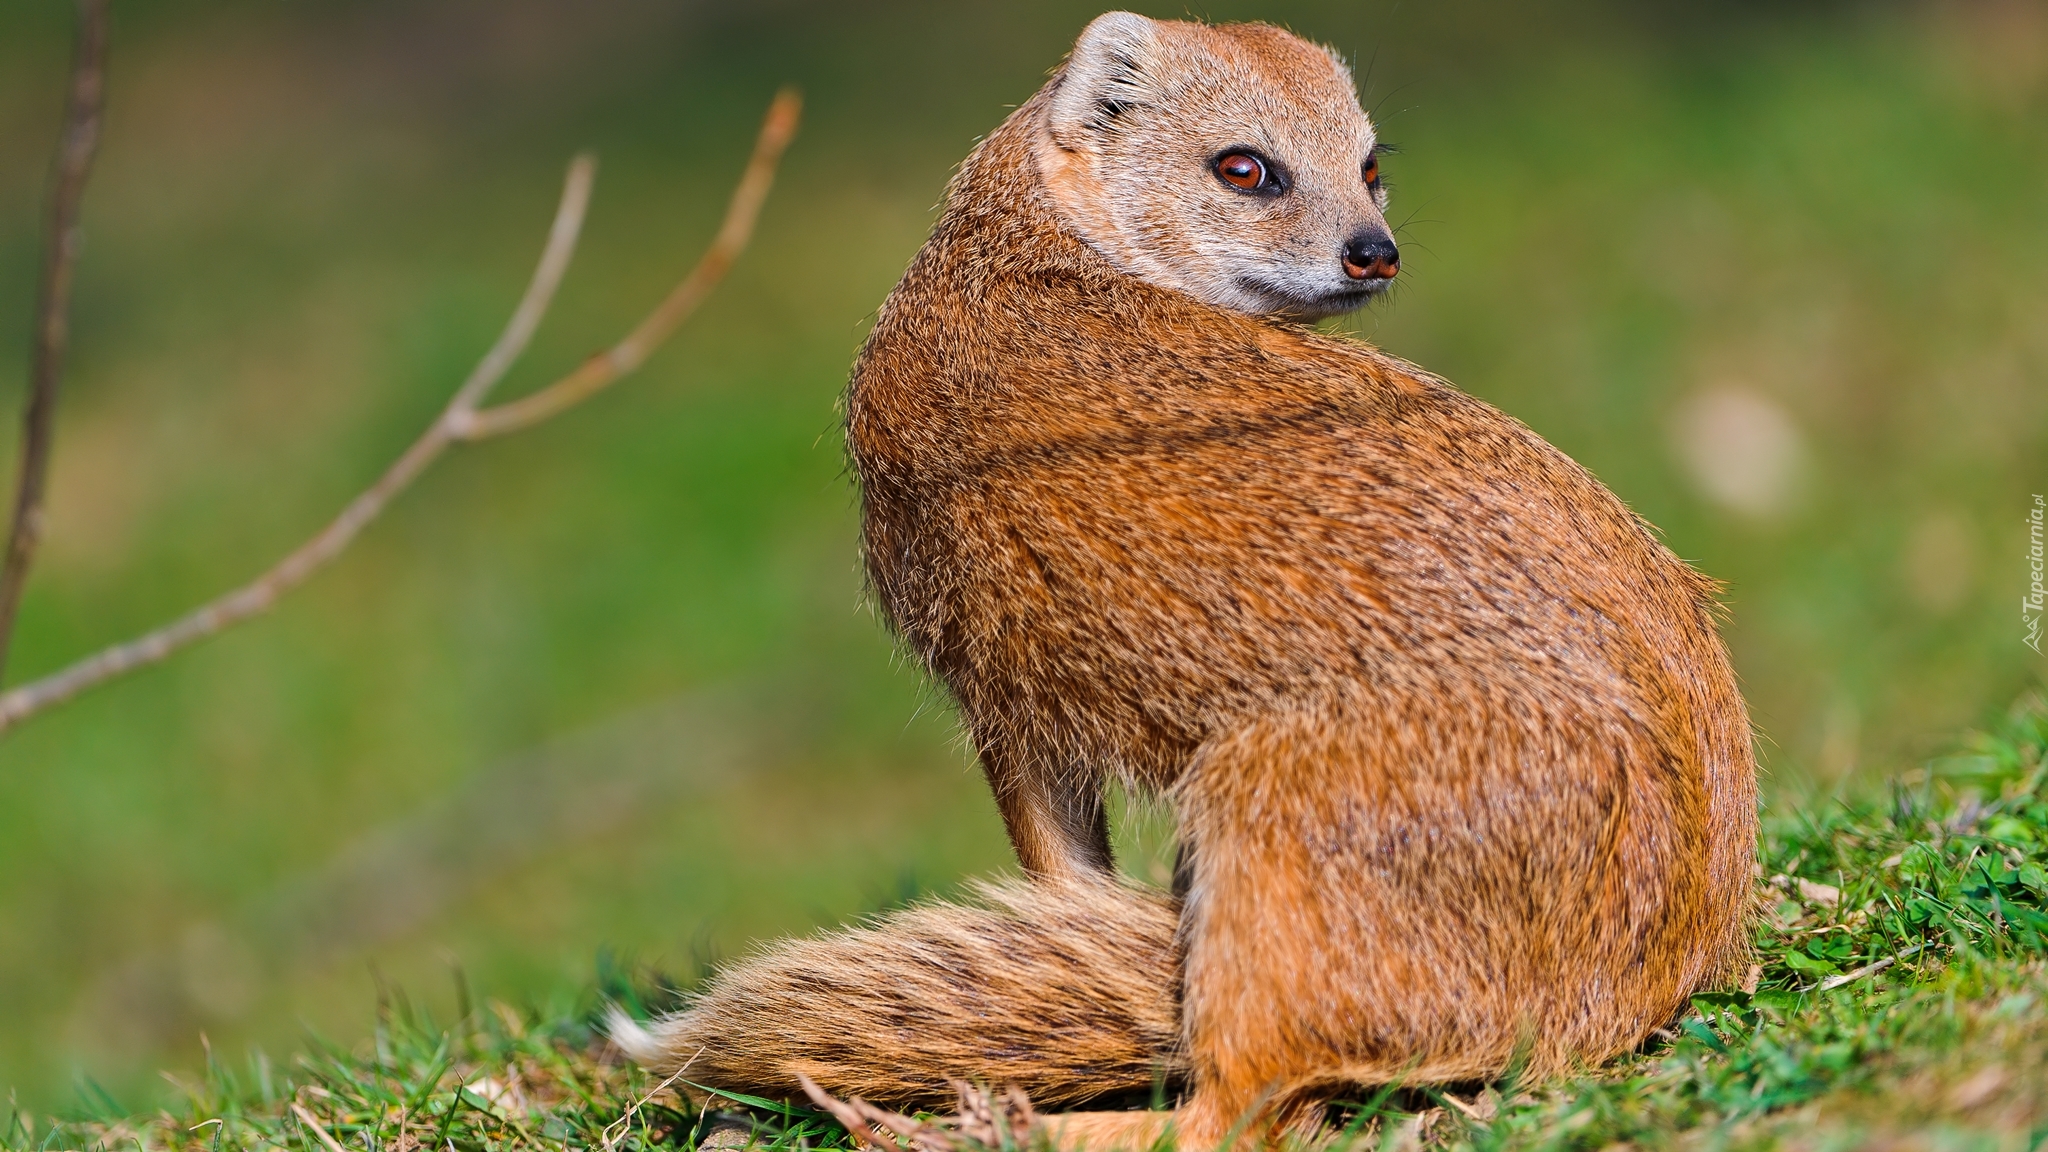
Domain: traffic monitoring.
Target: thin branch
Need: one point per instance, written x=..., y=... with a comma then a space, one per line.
x=462, y=419
x=75, y=148
x=600, y=370
x=261, y=593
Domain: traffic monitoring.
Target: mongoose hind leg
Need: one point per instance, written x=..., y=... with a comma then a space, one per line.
x=1106, y=1131
x=1057, y=821
x=1132, y=1131
x=1399, y=891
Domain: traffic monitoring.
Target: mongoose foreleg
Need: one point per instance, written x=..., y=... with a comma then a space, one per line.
x=1057, y=823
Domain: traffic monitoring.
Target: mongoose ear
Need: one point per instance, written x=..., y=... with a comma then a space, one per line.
x=1105, y=77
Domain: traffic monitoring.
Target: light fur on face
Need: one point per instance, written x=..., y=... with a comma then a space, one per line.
x=1142, y=112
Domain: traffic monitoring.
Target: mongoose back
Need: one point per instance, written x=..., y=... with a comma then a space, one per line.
x=1461, y=771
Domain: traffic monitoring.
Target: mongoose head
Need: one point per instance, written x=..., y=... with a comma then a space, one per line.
x=1230, y=162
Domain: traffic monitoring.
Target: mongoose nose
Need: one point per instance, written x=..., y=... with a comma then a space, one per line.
x=1371, y=255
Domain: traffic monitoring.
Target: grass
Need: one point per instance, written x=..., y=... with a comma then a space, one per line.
x=1897, y=997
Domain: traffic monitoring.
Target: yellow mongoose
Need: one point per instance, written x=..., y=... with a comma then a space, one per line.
x=1461, y=770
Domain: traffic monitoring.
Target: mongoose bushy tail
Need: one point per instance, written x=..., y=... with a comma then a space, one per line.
x=1064, y=989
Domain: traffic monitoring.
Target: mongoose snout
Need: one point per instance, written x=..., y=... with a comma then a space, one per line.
x=1371, y=254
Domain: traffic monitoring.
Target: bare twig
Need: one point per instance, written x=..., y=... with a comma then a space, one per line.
x=262, y=592
x=462, y=419
x=75, y=148
x=600, y=370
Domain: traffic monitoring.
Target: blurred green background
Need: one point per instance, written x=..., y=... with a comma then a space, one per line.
x=1777, y=273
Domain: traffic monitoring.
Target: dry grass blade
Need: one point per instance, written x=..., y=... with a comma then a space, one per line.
x=862, y=1119
x=984, y=1120
x=75, y=149
x=992, y=1121
x=1870, y=969
x=318, y=1129
x=461, y=419
x=625, y=1121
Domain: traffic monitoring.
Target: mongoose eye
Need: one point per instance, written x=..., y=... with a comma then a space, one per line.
x=1372, y=171
x=1244, y=170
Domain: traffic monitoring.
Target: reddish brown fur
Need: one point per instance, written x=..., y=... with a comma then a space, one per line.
x=1063, y=989
x=1459, y=761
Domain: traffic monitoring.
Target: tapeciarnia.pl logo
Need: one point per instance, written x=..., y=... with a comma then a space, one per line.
x=2036, y=597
